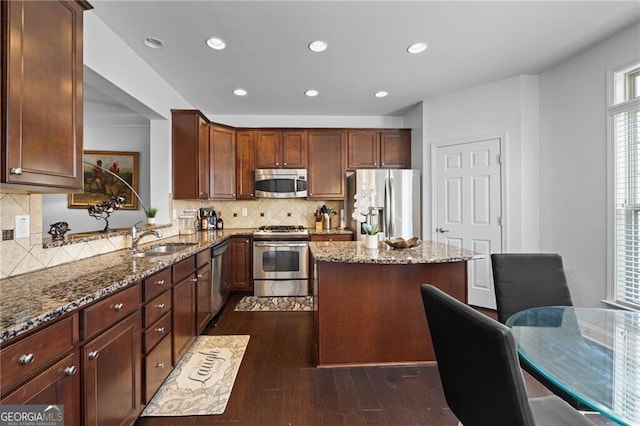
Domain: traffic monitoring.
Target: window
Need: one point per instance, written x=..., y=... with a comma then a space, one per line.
x=625, y=138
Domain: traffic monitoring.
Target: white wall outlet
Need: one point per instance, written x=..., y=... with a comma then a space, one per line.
x=243, y=211
x=23, y=227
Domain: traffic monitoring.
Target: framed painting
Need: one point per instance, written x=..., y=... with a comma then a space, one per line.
x=105, y=174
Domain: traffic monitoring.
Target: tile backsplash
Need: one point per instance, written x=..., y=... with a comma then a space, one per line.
x=22, y=255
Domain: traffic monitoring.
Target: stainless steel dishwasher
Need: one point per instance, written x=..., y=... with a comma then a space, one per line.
x=218, y=292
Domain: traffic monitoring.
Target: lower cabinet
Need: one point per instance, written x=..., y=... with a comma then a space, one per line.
x=112, y=375
x=239, y=264
x=184, y=314
x=331, y=237
x=203, y=290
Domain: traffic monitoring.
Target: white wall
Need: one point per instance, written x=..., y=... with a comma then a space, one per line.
x=106, y=128
x=573, y=193
x=508, y=109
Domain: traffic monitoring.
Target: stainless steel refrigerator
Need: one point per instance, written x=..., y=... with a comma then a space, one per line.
x=395, y=205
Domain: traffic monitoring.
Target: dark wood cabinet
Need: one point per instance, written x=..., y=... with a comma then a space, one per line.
x=395, y=149
x=203, y=290
x=41, y=95
x=184, y=306
x=330, y=237
x=44, y=368
x=112, y=375
x=326, y=171
x=240, y=261
x=276, y=149
x=222, y=163
x=190, y=153
x=245, y=164
x=368, y=149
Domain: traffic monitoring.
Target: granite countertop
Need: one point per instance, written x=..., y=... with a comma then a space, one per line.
x=28, y=300
x=356, y=252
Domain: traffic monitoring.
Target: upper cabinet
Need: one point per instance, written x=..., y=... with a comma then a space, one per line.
x=275, y=149
x=190, y=150
x=326, y=173
x=41, y=95
x=245, y=164
x=222, y=163
x=368, y=149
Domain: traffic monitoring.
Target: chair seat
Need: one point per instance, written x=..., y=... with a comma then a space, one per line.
x=553, y=411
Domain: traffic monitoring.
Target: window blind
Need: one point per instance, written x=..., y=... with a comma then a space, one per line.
x=627, y=222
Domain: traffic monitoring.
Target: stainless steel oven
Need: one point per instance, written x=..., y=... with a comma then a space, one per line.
x=280, y=261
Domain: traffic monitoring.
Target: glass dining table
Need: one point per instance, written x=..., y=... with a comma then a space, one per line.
x=592, y=354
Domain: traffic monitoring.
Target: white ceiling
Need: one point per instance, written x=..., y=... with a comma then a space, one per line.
x=470, y=43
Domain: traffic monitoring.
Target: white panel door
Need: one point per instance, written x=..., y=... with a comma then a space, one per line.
x=468, y=198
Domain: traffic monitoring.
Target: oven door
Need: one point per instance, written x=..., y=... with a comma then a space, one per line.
x=280, y=260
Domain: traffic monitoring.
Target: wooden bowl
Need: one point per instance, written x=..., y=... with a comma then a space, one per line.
x=400, y=243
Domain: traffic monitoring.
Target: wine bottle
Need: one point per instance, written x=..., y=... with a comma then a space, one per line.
x=220, y=222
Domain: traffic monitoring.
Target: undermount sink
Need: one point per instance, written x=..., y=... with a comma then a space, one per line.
x=164, y=249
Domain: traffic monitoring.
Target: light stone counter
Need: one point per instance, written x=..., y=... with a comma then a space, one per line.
x=356, y=252
x=29, y=300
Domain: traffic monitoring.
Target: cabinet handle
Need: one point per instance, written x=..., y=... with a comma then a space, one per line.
x=195, y=280
x=160, y=306
x=70, y=371
x=160, y=282
x=94, y=355
x=26, y=359
x=277, y=164
x=382, y=164
x=15, y=171
x=160, y=330
x=118, y=306
x=160, y=365
x=375, y=164
x=199, y=275
x=284, y=164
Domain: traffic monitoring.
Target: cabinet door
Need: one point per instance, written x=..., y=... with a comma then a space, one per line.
x=294, y=149
x=184, y=317
x=326, y=165
x=222, y=163
x=268, y=149
x=395, y=149
x=203, y=297
x=43, y=97
x=245, y=165
x=363, y=149
x=240, y=263
x=112, y=374
x=190, y=155
x=57, y=385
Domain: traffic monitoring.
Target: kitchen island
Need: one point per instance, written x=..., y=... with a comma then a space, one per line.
x=367, y=304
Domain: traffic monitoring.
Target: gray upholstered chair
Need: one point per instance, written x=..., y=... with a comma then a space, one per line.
x=528, y=280
x=479, y=370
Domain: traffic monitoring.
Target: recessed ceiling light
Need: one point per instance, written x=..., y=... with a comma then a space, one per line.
x=318, y=46
x=153, y=43
x=418, y=47
x=380, y=94
x=216, y=43
x=240, y=92
x=311, y=93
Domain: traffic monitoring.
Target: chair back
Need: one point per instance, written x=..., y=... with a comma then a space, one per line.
x=528, y=280
x=477, y=362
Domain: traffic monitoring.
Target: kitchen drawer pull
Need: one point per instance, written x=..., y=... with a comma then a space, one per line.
x=70, y=371
x=15, y=171
x=200, y=275
x=160, y=365
x=160, y=306
x=118, y=306
x=194, y=280
x=94, y=355
x=160, y=282
x=160, y=329
x=27, y=359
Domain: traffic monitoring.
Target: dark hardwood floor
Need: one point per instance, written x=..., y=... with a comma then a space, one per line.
x=278, y=384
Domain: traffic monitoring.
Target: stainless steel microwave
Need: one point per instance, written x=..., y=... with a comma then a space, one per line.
x=281, y=183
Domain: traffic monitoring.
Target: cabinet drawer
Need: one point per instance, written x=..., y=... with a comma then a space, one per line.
x=106, y=312
x=157, y=366
x=203, y=258
x=36, y=351
x=156, y=284
x=183, y=268
x=156, y=308
x=156, y=332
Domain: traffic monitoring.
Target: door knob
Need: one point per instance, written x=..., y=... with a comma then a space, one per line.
x=441, y=230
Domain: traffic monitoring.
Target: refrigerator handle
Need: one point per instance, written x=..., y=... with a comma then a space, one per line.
x=388, y=206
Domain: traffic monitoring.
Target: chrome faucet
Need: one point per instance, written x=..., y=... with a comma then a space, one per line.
x=136, y=237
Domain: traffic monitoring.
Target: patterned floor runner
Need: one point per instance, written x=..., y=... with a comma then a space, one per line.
x=202, y=381
x=266, y=304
